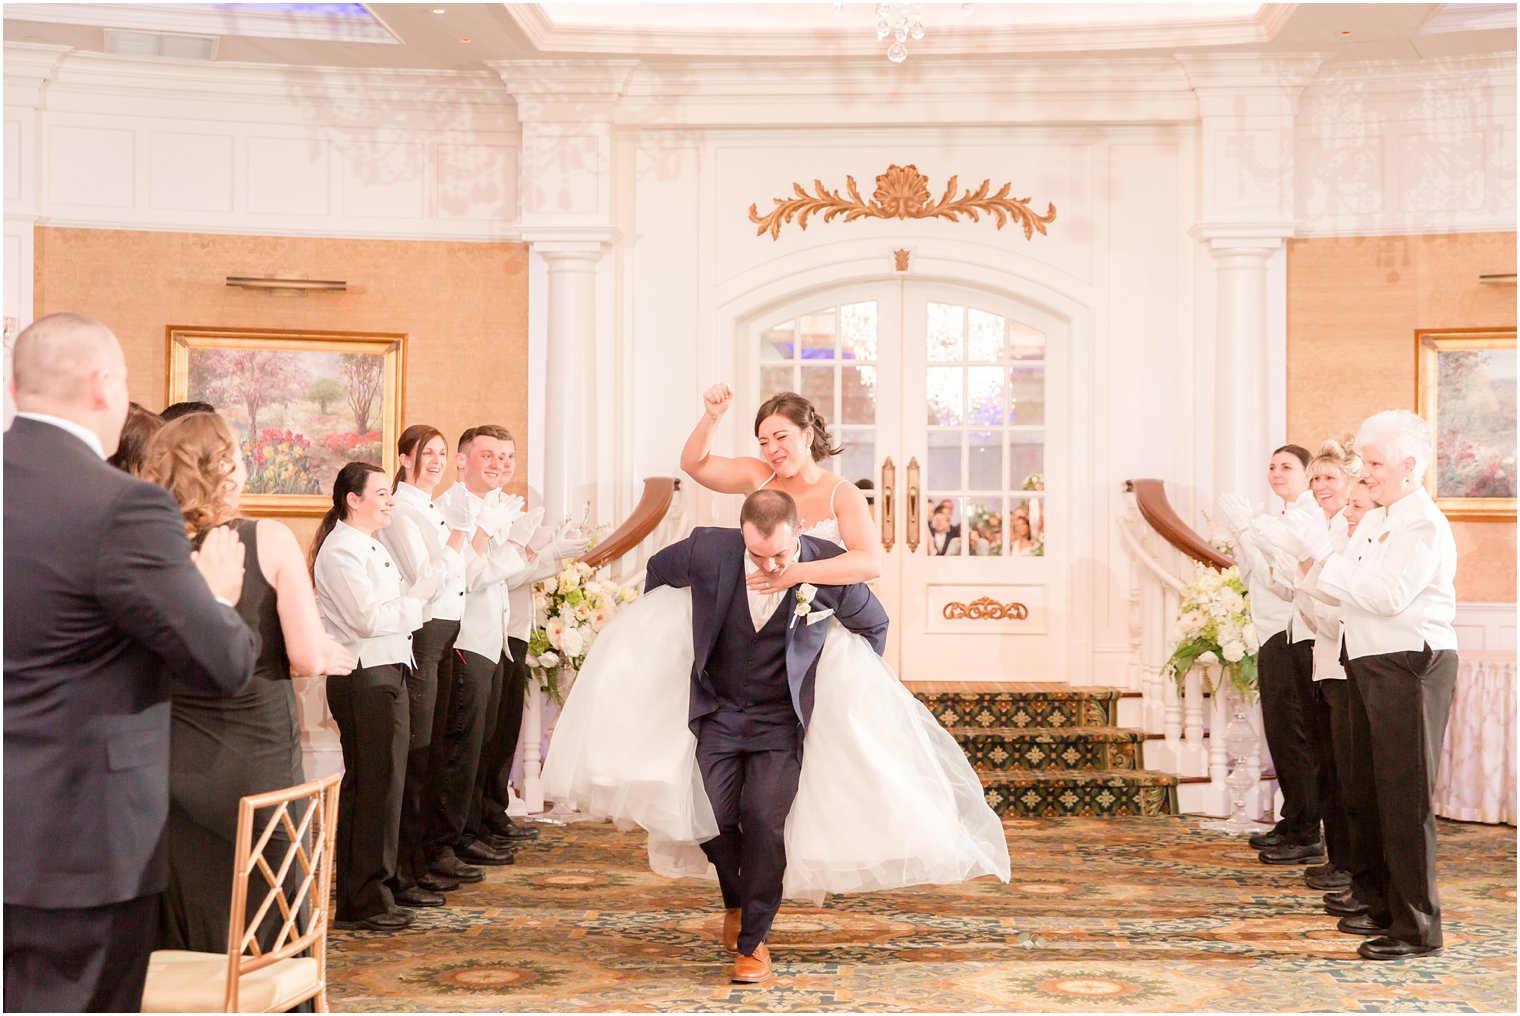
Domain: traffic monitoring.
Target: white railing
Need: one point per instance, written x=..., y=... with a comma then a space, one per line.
x=1185, y=721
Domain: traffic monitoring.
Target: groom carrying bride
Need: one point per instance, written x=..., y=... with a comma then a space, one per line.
x=756, y=652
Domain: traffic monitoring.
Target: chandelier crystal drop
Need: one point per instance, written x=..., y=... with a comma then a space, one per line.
x=899, y=22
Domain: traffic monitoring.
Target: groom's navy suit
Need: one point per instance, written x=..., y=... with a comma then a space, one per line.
x=751, y=698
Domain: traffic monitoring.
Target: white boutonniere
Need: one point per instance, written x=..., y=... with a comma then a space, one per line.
x=805, y=594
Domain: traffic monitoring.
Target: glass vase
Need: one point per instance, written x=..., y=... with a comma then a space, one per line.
x=1239, y=740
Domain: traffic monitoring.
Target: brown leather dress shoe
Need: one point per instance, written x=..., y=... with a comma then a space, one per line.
x=754, y=967
x=731, y=919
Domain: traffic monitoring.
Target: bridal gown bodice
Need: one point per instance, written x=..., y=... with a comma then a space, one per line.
x=886, y=797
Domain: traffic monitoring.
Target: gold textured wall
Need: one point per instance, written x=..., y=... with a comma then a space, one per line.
x=1354, y=304
x=463, y=307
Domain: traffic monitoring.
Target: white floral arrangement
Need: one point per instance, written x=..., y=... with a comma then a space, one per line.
x=1214, y=626
x=569, y=611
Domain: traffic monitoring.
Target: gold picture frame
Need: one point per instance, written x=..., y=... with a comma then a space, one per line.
x=302, y=401
x=1470, y=372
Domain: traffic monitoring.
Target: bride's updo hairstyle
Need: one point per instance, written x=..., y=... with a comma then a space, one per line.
x=801, y=412
x=193, y=459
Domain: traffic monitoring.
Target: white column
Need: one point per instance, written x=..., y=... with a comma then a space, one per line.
x=570, y=382
x=1241, y=413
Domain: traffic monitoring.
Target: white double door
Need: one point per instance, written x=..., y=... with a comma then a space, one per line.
x=948, y=402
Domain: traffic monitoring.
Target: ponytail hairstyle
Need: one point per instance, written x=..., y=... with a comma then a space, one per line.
x=801, y=412
x=411, y=442
x=193, y=458
x=1342, y=455
x=350, y=480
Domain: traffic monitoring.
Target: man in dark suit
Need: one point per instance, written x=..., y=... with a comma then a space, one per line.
x=752, y=695
x=102, y=602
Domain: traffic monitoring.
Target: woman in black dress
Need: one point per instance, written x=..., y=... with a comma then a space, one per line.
x=223, y=749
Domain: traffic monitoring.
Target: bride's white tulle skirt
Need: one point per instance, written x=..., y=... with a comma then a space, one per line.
x=886, y=797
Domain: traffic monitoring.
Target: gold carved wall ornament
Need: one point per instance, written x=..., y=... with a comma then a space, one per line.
x=985, y=608
x=902, y=192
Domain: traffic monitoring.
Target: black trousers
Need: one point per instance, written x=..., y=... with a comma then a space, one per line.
x=1285, y=676
x=370, y=707
x=1399, y=704
x=472, y=719
x=429, y=645
x=85, y=959
x=1331, y=743
x=501, y=746
x=751, y=791
x=435, y=792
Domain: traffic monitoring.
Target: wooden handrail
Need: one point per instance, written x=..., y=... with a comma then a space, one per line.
x=659, y=491
x=1157, y=511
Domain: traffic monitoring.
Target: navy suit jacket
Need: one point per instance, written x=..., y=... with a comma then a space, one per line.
x=710, y=562
x=102, y=605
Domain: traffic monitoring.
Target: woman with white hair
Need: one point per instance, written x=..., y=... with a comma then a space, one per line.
x=1395, y=586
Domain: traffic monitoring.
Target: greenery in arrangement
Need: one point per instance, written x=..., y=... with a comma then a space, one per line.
x=570, y=610
x=1214, y=626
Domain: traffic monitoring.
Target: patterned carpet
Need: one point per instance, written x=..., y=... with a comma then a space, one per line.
x=1119, y=914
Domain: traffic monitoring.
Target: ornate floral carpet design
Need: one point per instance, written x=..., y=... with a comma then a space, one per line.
x=1118, y=914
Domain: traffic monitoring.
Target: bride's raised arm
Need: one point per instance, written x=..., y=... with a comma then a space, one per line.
x=715, y=472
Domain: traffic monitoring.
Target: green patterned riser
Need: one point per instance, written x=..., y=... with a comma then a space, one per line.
x=1091, y=795
x=1084, y=707
x=1084, y=748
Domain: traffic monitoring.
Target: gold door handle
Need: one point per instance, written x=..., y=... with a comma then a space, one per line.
x=888, y=496
x=912, y=534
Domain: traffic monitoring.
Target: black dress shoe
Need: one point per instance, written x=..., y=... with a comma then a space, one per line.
x=511, y=830
x=476, y=852
x=1393, y=949
x=437, y=883
x=496, y=842
x=1327, y=876
x=419, y=897
x=454, y=868
x=1360, y=924
x=1343, y=905
x=410, y=915
x=1270, y=838
x=1294, y=853
x=380, y=922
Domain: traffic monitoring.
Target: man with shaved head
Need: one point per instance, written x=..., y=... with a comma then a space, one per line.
x=103, y=603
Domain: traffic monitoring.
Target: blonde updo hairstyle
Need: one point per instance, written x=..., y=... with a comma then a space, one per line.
x=802, y=414
x=193, y=459
x=1342, y=455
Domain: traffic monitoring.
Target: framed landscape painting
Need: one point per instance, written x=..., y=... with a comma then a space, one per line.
x=303, y=402
x=1465, y=390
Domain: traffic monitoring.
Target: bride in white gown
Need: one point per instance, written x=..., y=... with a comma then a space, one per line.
x=886, y=797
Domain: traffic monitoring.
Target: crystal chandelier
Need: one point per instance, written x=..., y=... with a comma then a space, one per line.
x=900, y=21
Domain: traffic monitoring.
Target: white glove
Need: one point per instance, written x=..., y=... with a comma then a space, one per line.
x=1271, y=531
x=1236, y=511
x=567, y=547
x=462, y=513
x=426, y=587
x=1311, y=532
x=497, y=518
x=524, y=526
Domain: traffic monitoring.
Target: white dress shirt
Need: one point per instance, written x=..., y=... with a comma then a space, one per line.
x=761, y=605
x=80, y=431
x=417, y=540
x=484, y=623
x=364, y=606
x=1395, y=581
x=1324, y=619
x=1269, y=582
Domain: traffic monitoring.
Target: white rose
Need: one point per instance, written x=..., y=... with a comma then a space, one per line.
x=572, y=642
x=583, y=612
x=548, y=661
x=599, y=618
x=569, y=580
x=1252, y=643
x=550, y=586
x=1233, y=602
x=1234, y=652
x=585, y=570
x=1192, y=621
x=628, y=594
x=554, y=630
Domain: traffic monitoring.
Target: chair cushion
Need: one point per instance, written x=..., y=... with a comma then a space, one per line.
x=180, y=981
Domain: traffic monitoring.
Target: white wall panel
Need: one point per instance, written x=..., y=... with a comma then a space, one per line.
x=1441, y=172
x=288, y=176
x=476, y=182
x=190, y=172
x=13, y=156
x=382, y=180
x=93, y=166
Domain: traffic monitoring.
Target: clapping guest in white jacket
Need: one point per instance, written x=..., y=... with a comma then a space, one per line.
x=368, y=608
x=420, y=538
x=1285, y=667
x=502, y=530
x=1395, y=584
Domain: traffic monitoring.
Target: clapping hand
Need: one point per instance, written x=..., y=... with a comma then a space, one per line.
x=1272, y=531
x=716, y=400
x=496, y=519
x=524, y=526
x=220, y=561
x=566, y=547
x=462, y=513
x=1309, y=529
x=1236, y=511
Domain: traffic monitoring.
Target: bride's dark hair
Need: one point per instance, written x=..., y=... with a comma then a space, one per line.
x=801, y=412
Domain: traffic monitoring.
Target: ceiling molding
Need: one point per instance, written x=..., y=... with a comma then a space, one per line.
x=212, y=19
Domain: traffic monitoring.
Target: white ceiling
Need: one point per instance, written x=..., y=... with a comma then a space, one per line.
x=465, y=36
